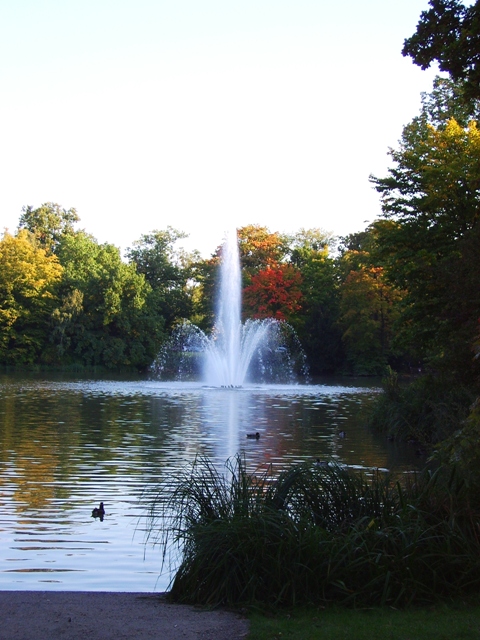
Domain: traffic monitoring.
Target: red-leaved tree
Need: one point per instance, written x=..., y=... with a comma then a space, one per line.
x=274, y=292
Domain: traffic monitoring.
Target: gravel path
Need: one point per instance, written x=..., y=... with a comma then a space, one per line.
x=72, y=615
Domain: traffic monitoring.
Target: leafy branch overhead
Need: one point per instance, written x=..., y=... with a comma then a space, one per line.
x=449, y=34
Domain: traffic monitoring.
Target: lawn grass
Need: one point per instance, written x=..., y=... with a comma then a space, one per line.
x=460, y=622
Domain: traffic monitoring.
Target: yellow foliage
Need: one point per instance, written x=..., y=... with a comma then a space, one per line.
x=28, y=276
x=25, y=269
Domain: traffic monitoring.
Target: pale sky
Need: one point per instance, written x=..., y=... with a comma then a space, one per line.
x=203, y=114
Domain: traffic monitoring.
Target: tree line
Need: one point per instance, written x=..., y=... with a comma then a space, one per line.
x=404, y=292
x=67, y=300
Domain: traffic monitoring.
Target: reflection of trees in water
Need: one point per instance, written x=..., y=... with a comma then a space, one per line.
x=47, y=440
x=32, y=446
x=54, y=441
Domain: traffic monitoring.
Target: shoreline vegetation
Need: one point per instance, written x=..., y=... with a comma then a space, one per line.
x=318, y=534
x=322, y=552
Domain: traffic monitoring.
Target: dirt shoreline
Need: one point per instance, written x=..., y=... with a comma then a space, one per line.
x=76, y=615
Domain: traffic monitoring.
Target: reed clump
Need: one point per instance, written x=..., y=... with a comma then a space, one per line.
x=318, y=534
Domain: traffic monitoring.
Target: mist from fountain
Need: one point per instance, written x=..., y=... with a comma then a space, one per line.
x=230, y=352
x=234, y=353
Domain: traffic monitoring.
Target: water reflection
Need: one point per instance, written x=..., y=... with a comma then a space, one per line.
x=66, y=445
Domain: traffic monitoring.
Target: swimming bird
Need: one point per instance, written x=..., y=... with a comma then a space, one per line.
x=253, y=436
x=98, y=512
x=342, y=434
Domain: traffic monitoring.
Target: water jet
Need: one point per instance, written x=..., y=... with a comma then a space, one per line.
x=257, y=351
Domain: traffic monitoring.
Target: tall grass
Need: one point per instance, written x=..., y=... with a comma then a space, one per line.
x=317, y=534
x=428, y=410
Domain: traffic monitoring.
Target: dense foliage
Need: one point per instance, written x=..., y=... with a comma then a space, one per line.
x=449, y=34
x=431, y=251
x=402, y=293
x=29, y=280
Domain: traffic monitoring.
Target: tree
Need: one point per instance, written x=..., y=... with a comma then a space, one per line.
x=431, y=249
x=367, y=312
x=274, y=292
x=49, y=223
x=316, y=325
x=168, y=271
x=368, y=306
x=447, y=100
x=105, y=318
x=260, y=249
x=449, y=33
x=306, y=241
x=29, y=280
x=206, y=275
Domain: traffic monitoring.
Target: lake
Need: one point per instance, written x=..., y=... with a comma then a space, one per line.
x=68, y=443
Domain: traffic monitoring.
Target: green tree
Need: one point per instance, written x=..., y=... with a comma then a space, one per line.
x=206, y=276
x=431, y=249
x=29, y=280
x=316, y=325
x=105, y=318
x=168, y=271
x=49, y=223
x=445, y=101
x=449, y=33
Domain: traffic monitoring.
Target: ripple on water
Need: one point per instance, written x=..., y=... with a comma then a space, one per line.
x=66, y=445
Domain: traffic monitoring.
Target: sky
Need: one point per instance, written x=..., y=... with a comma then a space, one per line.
x=203, y=114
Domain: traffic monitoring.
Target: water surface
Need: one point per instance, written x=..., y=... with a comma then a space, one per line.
x=67, y=444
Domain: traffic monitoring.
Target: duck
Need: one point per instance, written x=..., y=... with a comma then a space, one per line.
x=98, y=512
x=253, y=436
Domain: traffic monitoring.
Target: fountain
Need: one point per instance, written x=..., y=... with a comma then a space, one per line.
x=257, y=351
x=154, y=429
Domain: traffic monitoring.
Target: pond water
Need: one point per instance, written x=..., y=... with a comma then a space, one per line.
x=66, y=444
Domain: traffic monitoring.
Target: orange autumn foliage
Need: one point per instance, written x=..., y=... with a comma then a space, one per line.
x=274, y=292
